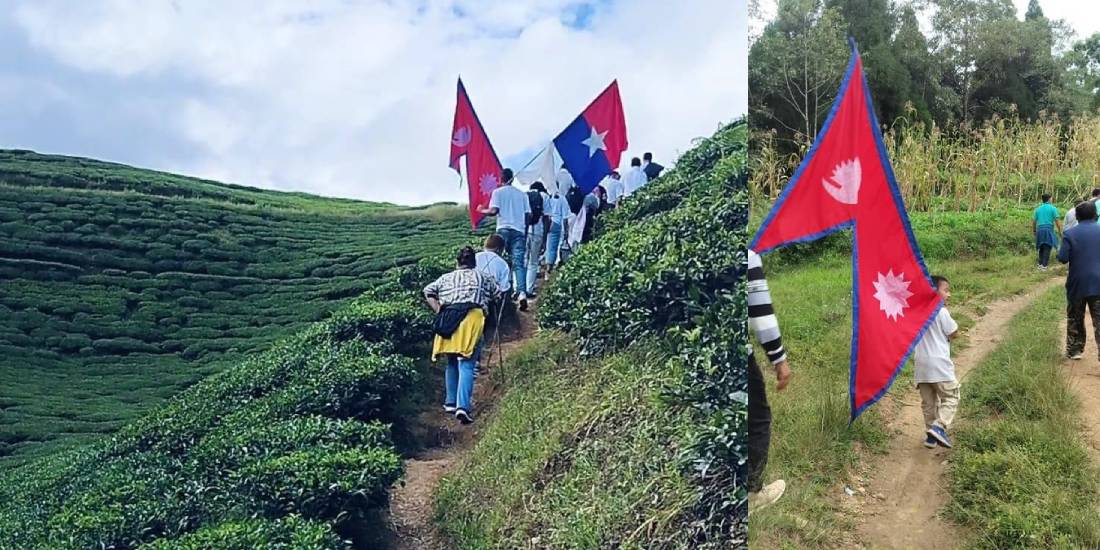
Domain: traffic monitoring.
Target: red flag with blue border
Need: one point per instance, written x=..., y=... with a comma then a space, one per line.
x=593, y=144
x=469, y=140
x=846, y=181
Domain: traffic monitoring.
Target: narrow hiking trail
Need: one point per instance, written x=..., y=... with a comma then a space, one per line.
x=1084, y=380
x=906, y=488
x=412, y=503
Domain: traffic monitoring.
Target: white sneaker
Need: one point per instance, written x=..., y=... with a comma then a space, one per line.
x=1075, y=357
x=767, y=495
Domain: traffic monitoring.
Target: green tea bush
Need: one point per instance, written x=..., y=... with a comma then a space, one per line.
x=291, y=533
x=670, y=264
x=401, y=323
x=220, y=271
x=319, y=483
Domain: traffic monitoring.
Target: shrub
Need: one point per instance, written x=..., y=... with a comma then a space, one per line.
x=319, y=483
x=291, y=533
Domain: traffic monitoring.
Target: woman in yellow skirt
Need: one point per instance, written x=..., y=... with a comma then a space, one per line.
x=460, y=300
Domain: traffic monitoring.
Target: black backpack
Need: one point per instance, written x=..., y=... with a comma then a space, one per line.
x=534, y=198
x=575, y=198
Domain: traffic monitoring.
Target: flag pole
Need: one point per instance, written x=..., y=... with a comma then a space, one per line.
x=533, y=159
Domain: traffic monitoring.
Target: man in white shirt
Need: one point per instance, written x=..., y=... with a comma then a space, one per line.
x=615, y=188
x=510, y=206
x=635, y=178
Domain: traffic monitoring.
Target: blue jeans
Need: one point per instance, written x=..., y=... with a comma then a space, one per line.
x=460, y=375
x=534, y=256
x=515, y=242
x=553, y=241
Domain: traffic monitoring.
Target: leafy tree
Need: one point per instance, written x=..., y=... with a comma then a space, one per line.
x=961, y=30
x=795, y=68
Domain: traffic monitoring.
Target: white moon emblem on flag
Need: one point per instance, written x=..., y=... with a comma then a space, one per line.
x=843, y=185
x=487, y=182
x=461, y=137
x=892, y=293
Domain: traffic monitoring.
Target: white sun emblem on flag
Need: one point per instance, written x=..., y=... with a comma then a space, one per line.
x=892, y=294
x=487, y=182
x=843, y=185
x=461, y=137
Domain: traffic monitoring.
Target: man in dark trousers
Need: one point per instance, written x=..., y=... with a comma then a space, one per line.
x=765, y=326
x=1081, y=250
x=651, y=169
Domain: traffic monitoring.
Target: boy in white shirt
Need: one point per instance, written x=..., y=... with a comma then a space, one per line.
x=934, y=373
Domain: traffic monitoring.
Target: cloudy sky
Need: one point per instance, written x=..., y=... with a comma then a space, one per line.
x=355, y=98
x=1082, y=15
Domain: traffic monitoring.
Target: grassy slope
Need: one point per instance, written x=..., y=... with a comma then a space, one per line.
x=121, y=286
x=812, y=446
x=576, y=455
x=1021, y=476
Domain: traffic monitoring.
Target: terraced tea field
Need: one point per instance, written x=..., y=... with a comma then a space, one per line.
x=120, y=286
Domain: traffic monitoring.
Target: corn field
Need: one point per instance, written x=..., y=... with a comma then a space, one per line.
x=1002, y=161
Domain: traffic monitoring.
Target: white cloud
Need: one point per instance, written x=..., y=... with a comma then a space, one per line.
x=356, y=99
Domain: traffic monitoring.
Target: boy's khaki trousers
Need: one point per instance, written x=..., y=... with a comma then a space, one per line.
x=938, y=402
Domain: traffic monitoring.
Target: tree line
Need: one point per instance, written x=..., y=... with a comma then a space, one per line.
x=969, y=62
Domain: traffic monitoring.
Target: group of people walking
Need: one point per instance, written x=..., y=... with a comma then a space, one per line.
x=1079, y=245
x=1080, y=239
x=534, y=230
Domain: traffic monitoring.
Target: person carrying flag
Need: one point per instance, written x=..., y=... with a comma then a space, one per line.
x=511, y=207
x=934, y=373
x=765, y=327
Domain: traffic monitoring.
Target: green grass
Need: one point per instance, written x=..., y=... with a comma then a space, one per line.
x=598, y=468
x=123, y=286
x=813, y=447
x=1021, y=476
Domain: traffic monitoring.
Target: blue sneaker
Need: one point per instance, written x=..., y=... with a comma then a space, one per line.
x=940, y=435
x=929, y=441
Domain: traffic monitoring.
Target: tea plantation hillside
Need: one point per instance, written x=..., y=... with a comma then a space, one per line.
x=622, y=424
x=121, y=286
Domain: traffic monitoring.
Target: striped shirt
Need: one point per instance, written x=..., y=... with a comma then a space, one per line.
x=762, y=318
x=463, y=286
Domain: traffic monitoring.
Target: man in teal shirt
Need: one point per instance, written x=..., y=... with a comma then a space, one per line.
x=1043, y=224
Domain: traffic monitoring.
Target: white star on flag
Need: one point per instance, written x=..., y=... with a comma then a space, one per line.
x=595, y=142
x=892, y=294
